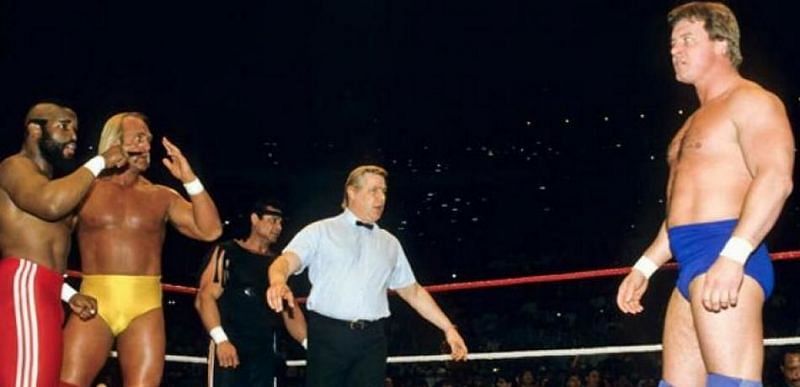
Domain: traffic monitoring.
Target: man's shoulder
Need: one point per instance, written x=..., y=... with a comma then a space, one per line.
x=388, y=235
x=144, y=182
x=749, y=94
x=326, y=222
x=324, y=226
x=750, y=104
x=146, y=186
x=14, y=165
x=17, y=161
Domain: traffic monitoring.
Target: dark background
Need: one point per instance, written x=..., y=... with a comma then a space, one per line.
x=521, y=137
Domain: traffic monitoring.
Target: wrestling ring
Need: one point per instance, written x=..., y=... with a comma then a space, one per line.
x=779, y=258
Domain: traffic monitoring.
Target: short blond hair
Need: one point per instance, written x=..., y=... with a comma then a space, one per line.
x=356, y=176
x=718, y=20
x=112, y=130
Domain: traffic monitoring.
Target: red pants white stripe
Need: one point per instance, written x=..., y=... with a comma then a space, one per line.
x=30, y=326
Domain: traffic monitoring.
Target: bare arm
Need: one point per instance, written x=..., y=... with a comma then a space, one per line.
x=278, y=272
x=33, y=192
x=210, y=291
x=198, y=219
x=48, y=199
x=765, y=137
x=659, y=251
x=206, y=304
x=419, y=299
x=632, y=288
x=295, y=322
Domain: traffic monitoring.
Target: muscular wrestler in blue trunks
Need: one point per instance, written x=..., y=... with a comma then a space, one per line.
x=730, y=174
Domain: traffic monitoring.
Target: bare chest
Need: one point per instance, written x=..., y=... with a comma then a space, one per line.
x=132, y=208
x=706, y=134
x=15, y=218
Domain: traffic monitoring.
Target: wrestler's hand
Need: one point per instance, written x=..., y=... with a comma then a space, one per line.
x=631, y=290
x=276, y=294
x=84, y=306
x=458, y=349
x=115, y=157
x=227, y=356
x=176, y=163
x=721, y=285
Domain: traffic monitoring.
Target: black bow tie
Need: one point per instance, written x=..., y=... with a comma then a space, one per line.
x=365, y=225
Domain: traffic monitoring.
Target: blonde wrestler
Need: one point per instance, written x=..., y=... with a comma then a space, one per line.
x=121, y=228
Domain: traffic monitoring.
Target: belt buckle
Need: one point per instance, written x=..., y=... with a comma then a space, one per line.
x=357, y=324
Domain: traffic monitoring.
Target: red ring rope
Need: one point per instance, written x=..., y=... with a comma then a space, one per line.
x=502, y=282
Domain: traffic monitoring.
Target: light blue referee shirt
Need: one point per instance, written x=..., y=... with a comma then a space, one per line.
x=350, y=267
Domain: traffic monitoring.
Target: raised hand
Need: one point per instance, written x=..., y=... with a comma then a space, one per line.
x=115, y=157
x=176, y=163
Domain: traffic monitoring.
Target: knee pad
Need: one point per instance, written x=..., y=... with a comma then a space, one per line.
x=717, y=380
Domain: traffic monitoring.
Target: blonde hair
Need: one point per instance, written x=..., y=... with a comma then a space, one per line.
x=356, y=176
x=718, y=20
x=112, y=130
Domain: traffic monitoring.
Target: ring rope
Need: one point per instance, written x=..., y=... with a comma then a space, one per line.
x=176, y=358
x=771, y=342
x=502, y=282
x=600, y=273
x=780, y=256
x=782, y=341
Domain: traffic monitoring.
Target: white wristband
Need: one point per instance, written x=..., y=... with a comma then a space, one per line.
x=194, y=187
x=217, y=334
x=305, y=343
x=646, y=266
x=95, y=165
x=67, y=292
x=737, y=249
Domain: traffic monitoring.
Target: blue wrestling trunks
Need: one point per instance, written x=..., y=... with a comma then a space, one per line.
x=696, y=247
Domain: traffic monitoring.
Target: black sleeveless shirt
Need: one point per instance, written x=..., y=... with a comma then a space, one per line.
x=243, y=308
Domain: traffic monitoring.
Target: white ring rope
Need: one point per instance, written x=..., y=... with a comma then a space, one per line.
x=177, y=358
x=773, y=342
x=548, y=352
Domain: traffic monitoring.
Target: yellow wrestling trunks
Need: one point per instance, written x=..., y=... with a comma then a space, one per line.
x=122, y=298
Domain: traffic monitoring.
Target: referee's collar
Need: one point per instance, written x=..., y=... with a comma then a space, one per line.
x=351, y=218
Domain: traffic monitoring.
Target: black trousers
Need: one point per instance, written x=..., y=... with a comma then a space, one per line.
x=343, y=354
x=256, y=368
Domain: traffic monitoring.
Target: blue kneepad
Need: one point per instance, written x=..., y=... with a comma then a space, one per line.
x=717, y=380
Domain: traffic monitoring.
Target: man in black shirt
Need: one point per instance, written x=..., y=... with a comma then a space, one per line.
x=232, y=295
